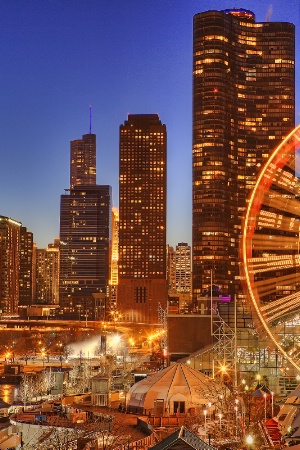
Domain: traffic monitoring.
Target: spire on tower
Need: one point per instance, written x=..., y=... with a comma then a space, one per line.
x=90, y=119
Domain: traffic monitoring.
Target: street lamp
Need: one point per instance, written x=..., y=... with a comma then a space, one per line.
x=249, y=441
x=272, y=403
x=43, y=356
x=205, y=413
x=220, y=416
x=258, y=377
x=209, y=409
x=265, y=397
x=248, y=403
x=236, y=420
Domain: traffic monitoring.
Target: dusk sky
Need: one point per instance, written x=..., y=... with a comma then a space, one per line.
x=134, y=56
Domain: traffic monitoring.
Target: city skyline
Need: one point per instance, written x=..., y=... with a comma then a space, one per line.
x=136, y=58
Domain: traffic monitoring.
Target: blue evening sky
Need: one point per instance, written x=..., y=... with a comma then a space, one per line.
x=134, y=56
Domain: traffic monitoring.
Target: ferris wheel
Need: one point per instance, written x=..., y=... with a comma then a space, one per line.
x=270, y=246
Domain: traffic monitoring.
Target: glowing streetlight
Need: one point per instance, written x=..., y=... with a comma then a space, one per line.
x=272, y=403
x=265, y=397
x=236, y=412
x=131, y=342
x=43, y=356
x=209, y=408
x=249, y=441
x=205, y=413
x=220, y=417
x=236, y=420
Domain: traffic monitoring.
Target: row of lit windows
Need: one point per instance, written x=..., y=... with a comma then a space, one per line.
x=215, y=37
x=140, y=131
x=211, y=61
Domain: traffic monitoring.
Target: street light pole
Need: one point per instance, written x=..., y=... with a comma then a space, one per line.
x=265, y=397
x=236, y=420
x=205, y=412
x=220, y=416
x=272, y=403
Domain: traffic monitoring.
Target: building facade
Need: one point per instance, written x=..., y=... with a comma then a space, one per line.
x=10, y=231
x=114, y=264
x=26, y=268
x=243, y=106
x=47, y=274
x=83, y=161
x=142, y=222
x=85, y=235
x=171, y=269
x=183, y=268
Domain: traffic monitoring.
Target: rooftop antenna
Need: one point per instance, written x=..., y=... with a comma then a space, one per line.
x=90, y=119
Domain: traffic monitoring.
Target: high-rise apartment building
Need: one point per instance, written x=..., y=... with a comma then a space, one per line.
x=85, y=235
x=26, y=268
x=114, y=267
x=142, y=223
x=47, y=274
x=171, y=269
x=183, y=268
x=9, y=265
x=243, y=106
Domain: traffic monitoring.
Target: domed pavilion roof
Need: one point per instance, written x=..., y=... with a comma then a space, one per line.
x=172, y=385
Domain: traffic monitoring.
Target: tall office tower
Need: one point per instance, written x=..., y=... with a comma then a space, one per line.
x=83, y=161
x=114, y=267
x=243, y=106
x=171, y=270
x=142, y=224
x=183, y=268
x=85, y=235
x=9, y=265
x=47, y=274
x=26, y=268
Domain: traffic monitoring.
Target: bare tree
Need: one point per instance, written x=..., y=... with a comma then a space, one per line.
x=26, y=390
x=103, y=431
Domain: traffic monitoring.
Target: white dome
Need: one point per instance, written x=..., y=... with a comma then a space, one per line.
x=177, y=386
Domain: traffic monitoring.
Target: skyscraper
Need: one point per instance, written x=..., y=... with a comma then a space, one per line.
x=171, y=269
x=83, y=161
x=85, y=234
x=26, y=268
x=243, y=106
x=9, y=264
x=142, y=223
x=114, y=268
x=47, y=274
x=183, y=268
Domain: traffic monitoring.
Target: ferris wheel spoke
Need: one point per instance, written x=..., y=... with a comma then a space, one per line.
x=277, y=303
x=271, y=220
x=274, y=242
x=283, y=309
x=270, y=286
x=283, y=313
x=282, y=202
x=271, y=262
